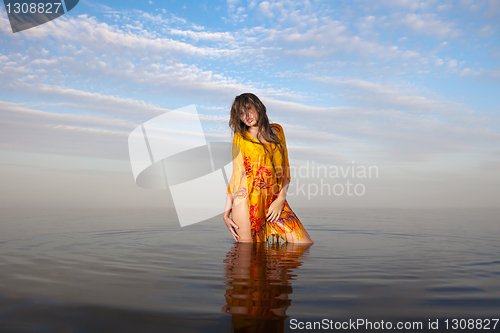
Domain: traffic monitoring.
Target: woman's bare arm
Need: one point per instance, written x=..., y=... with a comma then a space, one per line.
x=277, y=205
x=227, y=220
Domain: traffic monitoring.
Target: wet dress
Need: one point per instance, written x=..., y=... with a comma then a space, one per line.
x=256, y=179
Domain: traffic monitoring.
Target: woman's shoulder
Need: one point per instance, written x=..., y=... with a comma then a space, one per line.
x=277, y=126
x=278, y=129
x=238, y=138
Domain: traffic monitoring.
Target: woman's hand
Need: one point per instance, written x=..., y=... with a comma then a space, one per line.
x=275, y=209
x=232, y=227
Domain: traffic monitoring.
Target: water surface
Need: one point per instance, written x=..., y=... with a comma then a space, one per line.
x=137, y=270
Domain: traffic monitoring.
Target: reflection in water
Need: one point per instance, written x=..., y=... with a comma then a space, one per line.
x=259, y=279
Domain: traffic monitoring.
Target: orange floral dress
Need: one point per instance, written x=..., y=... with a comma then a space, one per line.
x=254, y=178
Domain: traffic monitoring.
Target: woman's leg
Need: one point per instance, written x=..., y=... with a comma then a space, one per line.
x=241, y=216
x=299, y=238
x=299, y=234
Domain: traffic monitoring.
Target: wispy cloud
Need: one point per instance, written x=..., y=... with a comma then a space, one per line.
x=391, y=82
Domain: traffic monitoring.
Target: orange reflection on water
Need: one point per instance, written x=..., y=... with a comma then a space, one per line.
x=259, y=276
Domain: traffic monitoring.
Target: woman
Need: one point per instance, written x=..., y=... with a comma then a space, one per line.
x=256, y=196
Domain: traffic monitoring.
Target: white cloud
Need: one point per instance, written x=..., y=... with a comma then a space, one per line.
x=24, y=129
x=414, y=5
x=101, y=37
x=265, y=9
x=381, y=96
x=325, y=40
x=429, y=24
x=196, y=35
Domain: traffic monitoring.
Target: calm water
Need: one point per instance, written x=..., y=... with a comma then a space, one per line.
x=138, y=271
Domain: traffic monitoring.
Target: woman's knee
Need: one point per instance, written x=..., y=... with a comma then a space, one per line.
x=302, y=238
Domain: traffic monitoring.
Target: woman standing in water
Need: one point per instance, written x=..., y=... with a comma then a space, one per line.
x=256, y=196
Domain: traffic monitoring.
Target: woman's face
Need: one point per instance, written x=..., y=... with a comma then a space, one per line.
x=249, y=116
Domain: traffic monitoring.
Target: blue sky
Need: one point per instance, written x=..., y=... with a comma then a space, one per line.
x=409, y=86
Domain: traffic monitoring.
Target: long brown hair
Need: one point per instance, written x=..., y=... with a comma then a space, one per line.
x=242, y=103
